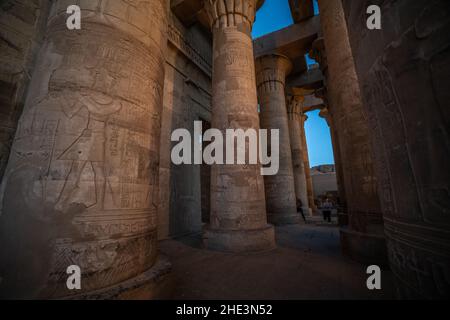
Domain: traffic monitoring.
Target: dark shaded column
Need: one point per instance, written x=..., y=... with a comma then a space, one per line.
x=81, y=184
x=404, y=71
x=22, y=24
x=364, y=239
x=342, y=209
x=238, y=221
x=309, y=184
x=271, y=72
x=294, y=105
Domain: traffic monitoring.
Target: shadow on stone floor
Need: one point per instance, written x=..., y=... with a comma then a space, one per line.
x=307, y=264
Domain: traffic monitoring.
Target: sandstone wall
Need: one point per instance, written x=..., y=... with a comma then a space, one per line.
x=324, y=182
x=187, y=98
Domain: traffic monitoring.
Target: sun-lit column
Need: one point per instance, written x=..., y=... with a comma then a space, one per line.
x=271, y=72
x=81, y=185
x=294, y=105
x=238, y=221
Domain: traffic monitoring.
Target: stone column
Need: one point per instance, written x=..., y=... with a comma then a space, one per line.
x=342, y=210
x=238, y=219
x=364, y=239
x=404, y=71
x=294, y=112
x=309, y=184
x=22, y=24
x=271, y=72
x=81, y=184
x=318, y=52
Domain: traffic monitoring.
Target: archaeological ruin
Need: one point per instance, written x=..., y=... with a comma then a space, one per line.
x=87, y=178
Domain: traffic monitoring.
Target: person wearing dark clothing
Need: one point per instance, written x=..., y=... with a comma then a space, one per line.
x=300, y=209
x=326, y=210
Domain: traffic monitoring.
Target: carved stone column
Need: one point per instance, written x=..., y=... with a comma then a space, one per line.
x=342, y=210
x=271, y=72
x=81, y=185
x=22, y=24
x=318, y=52
x=364, y=239
x=403, y=71
x=238, y=219
x=309, y=184
x=294, y=105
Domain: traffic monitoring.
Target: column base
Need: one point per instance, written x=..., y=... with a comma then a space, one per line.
x=307, y=211
x=157, y=283
x=283, y=219
x=365, y=248
x=342, y=219
x=238, y=241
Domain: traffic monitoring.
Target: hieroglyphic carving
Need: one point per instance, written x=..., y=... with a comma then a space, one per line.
x=271, y=72
x=404, y=85
x=85, y=160
x=186, y=47
x=238, y=219
x=21, y=25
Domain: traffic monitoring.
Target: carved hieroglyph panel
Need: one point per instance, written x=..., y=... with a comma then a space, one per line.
x=85, y=160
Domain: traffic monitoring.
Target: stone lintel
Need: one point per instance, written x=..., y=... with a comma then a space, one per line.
x=292, y=42
x=301, y=9
x=190, y=12
x=310, y=102
x=311, y=79
x=187, y=10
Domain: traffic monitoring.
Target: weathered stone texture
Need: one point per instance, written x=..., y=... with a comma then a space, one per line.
x=294, y=106
x=350, y=121
x=404, y=75
x=238, y=206
x=306, y=165
x=81, y=186
x=271, y=72
x=342, y=201
x=187, y=98
x=21, y=25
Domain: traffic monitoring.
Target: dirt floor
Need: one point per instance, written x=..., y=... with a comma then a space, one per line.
x=307, y=264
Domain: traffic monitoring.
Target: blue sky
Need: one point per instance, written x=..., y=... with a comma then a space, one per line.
x=275, y=15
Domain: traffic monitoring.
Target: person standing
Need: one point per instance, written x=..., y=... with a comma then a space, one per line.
x=327, y=206
x=300, y=209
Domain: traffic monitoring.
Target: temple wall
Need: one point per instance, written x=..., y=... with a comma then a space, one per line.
x=404, y=71
x=323, y=183
x=187, y=98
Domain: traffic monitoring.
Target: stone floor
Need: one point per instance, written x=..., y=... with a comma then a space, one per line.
x=306, y=265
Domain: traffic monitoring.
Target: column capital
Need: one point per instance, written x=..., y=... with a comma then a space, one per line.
x=232, y=13
x=304, y=118
x=294, y=105
x=319, y=53
x=272, y=68
x=325, y=114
